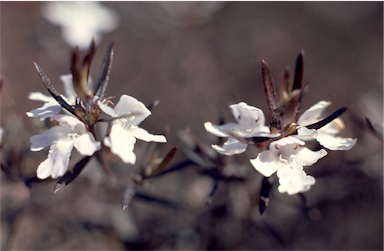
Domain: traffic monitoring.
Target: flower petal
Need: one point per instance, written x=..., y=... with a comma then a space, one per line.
x=108, y=110
x=86, y=144
x=294, y=180
x=70, y=122
x=313, y=114
x=306, y=157
x=306, y=134
x=40, y=141
x=333, y=127
x=220, y=130
x=336, y=143
x=57, y=162
x=266, y=162
x=68, y=87
x=248, y=117
x=121, y=143
x=142, y=134
x=38, y=96
x=129, y=105
x=231, y=147
x=46, y=111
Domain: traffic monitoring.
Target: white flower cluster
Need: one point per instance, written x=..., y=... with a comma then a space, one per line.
x=287, y=155
x=71, y=132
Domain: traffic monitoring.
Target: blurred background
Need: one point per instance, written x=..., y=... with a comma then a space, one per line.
x=197, y=58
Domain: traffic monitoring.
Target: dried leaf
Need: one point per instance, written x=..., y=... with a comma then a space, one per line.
x=275, y=120
x=284, y=87
x=80, y=74
x=103, y=79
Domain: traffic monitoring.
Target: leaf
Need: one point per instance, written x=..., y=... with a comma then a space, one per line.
x=55, y=94
x=158, y=200
x=284, y=87
x=80, y=74
x=72, y=174
x=328, y=119
x=174, y=168
x=129, y=193
x=265, y=190
x=256, y=140
x=103, y=79
x=215, y=185
x=299, y=73
x=298, y=86
x=275, y=120
x=196, y=151
x=164, y=163
x=375, y=129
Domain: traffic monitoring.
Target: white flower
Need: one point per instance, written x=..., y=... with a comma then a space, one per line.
x=293, y=179
x=81, y=21
x=287, y=156
x=326, y=135
x=70, y=133
x=125, y=130
x=50, y=106
x=250, y=123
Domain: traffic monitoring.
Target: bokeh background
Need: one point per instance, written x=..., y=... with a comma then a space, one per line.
x=197, y=58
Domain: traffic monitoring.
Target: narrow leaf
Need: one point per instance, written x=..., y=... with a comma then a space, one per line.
x=215, y=185
x=275, y=120
x=72, y=174
x=256, y=140
x=284, y=87
x=80, y=74
x=128, y=195
x=298, y=85
x=102, y=81
x=266, y=187
x=53, y=91
x=299, y=73
x=375, y=129
x=179, y=166
x=164, y=163
x=328, y=119
x=158, y=200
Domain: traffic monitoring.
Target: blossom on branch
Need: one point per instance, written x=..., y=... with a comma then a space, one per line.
x=128, y=114
x=69, y=133
x=326, y=135
x=50, y=106
x=250, y=123
x=287, y=157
